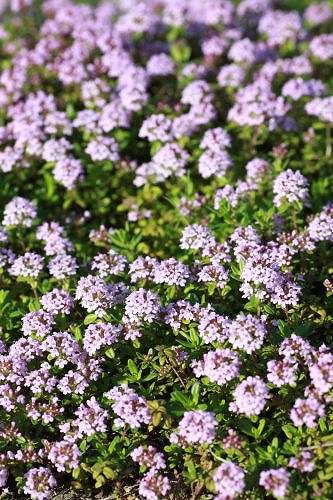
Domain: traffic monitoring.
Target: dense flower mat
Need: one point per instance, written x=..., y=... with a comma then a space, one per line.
x=166, y=249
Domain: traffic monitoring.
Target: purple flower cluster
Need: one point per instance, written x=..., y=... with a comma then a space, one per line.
x=153, y=485
x=290, y=186
x=247, y=332
x=149, y=457
x=250, y=396
x=94, y=294
x=214, y=102
x=63, y=455
x=275, y=481
x=98, y=335
x=195, y=427
x=108, y=264
x=130, y=408
x=229, y=480
x=90, y=418
x=142, y=306
x=219, y=366
x=39, y=483
x=19, y=212
x=57, y=302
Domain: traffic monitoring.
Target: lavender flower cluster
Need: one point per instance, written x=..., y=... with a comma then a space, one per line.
x=166, y=248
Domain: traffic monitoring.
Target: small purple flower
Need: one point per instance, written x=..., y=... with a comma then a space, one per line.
x=142, y=268
x=213, y=327
x=64, y=455
x=195, y=237
x=250, y=397
x=108, y=264
x=57, y=302
x=68, y=172
x=100, y=335
x=156, y=128
x=321, y=47
x=131, y=408
x=171, y=272
x=63, y=266
x=39, y=483
x=282, y=372
x=19, y=212
x=307, y=411
x=142, y=306
x=229, y=480
x=291, y=186
x=103, y=148
x=90, y=418
x=29, y=265
x=160, y=64
x=215, y=139
x=321, y=372
x=247, y=332
x=304, y=462
x=195, y=427
x=275, y=481
x=94, y=294
x=318, y=13
x=149, y=457
x=219, y=366
x=215, y=274
x=152, y=486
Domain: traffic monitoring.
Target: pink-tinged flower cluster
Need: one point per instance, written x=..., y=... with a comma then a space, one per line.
x=153, y=485
x=28, y=265
x=247, y=332
x=94, y=294
x=131, y=409
x=108, y=264
x=213, y=273
x=228, y=109
x=57, y=302
x=37, y=324
x=142, y=306
x=195, y=427
x=250, y=397
x=99, y=335
x=19, y=212
x=291, y=187
x=219, y=366
x=303, y=462
x=149, y=457
x=282, y=372
x=229, y=480
x=63, y=455
x=307, y=411
x=275, y=481
x=90, y=418
x=39, y=483
x=103, y=148
x=213, y=327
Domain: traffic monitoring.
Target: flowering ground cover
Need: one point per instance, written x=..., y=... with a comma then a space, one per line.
x=166, y=259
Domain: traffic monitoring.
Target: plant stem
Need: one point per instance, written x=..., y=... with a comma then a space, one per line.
x=328, y=141
x=322, y=445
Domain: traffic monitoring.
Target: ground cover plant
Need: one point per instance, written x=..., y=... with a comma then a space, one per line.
x=166, y=249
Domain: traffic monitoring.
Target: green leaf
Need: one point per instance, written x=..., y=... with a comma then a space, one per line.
x=132, y=367
x=113, y=444
x=90, y=318
x=192, y=473
x=195, y=391
x=182, y=398
x=109, y=473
